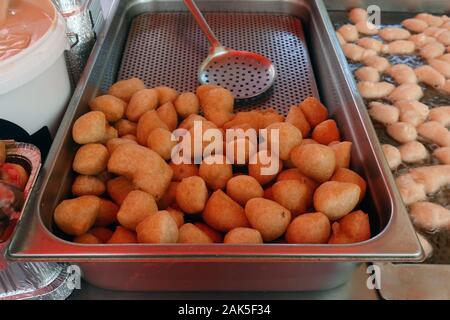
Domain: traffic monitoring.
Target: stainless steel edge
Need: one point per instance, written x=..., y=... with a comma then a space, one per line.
x=33, y=241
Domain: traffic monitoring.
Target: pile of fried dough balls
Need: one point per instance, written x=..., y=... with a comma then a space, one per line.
x=127, y=190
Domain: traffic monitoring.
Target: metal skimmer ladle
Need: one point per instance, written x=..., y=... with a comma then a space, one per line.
x=246, y=74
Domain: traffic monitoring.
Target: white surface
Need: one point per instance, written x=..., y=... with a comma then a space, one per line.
x=35, y=85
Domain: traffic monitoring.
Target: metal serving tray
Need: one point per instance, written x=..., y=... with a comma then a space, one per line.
x=219, y=267
x=431, y=279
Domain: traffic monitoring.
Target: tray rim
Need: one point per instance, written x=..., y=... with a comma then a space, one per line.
x=378, y=248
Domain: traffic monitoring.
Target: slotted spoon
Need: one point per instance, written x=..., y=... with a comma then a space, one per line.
x=246, y=74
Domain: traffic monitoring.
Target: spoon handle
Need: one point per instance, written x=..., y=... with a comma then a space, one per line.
x=3, y=11
x=201, y=21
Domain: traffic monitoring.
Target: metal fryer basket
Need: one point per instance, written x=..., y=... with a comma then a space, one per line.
x=167, y=48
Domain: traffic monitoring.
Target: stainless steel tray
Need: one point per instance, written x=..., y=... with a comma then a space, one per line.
x=219, y=267
x=431, y=279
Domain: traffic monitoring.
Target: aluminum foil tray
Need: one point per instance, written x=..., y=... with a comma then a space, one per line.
x=29, y=280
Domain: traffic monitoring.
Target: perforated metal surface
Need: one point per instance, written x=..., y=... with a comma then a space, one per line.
x=246, y=74
x=168, y=48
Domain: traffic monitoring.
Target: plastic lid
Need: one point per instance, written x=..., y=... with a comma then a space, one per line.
x=37, y=58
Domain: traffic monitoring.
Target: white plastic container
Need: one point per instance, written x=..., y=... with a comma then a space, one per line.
x=34, y=84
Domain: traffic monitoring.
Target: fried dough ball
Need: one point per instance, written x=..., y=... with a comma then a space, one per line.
x=309, y=228
x=218, y=106
x=326, y=132
x=243, y=235
x=125, y=89
x=181, y=171
x=343, y=152
x=160, y=141
x=399, y=47
x=112, y=107
x=352, y=228
x=315, y=161
x=432, y=50
x=216, y=172
x=366, y=28
x=415, y=25
x=430, y=76
x=102, y=234
x=240, y=150
x=190, y=233
x=168, y=115
x=142, y=101
x=118, y=189
x=268, y=217
x=166, y=94
x=412, y=111
x=2, y=152
x=256, y=119
x=347, y=175
x=87, y=238
x=125, y=127
x=298, y=119
x=356, y=15
x=148, y=171
x=375, y=90
x=158, y=228
x=441, y=115
x=186, y=104
x=314, y=111
x=349, y=32
x=243, y=188
x=264, y=167
x=147, y=123
x=370, y=43
x=203, y=89
x=296, y=174
x=91, y=159
x=402, y=132
x=392, y=155
x=224, y=214
x=169, y=197
x=383, y=113
x=356, y=53
x=192, y=194
x=123, y=236
x=379, y=63
x=413, y=151
x=76, y=216
x=215, y=235
x=430, y=20
x=177, y=216
x=288, y=138
x=442, y=154
x=402, y=73
x=435, y=132
x=410, y=190
x=367, y=74
x=107, y=215
x=110, y=133
x=430, y=216
x=336, y=199
x=293, y=195
x=392, y=34
x=137, y=206
x=88, y=186
x=90, y=128
x=112, y=144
